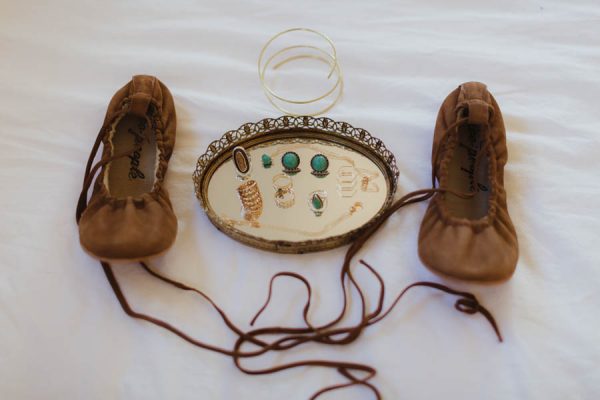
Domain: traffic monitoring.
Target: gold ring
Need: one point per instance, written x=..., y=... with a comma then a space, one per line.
x=284, y=193
x=285, y=198
x=278, y=184
x=317, y=202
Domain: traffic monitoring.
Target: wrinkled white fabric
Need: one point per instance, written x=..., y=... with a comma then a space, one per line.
x=62, y=332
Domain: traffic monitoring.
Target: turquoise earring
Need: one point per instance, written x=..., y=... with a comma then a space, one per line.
x=290, y=162
x=319, y=164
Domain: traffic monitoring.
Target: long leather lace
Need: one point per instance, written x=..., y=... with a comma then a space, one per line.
x=280, y=338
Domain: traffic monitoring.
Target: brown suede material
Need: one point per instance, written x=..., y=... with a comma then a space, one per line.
x=482, y=249
x=133, y=228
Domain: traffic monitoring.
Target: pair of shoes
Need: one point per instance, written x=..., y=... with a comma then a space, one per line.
x=466, y=232
x=129, y=216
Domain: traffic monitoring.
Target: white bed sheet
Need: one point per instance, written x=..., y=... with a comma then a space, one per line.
x=62, y=332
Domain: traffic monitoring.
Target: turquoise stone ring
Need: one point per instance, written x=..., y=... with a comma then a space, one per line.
x=319, y=164
x=266, y=160
x=317, y=202
x=290, y=162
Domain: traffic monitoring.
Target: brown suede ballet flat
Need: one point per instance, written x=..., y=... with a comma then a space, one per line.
x=466, y=232
x=129, y=215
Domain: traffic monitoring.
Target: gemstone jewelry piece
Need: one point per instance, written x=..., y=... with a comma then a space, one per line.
x=242, y=162
x=266, y=160
x=248, y=191
x=317, y=202
x=319, y=164
x=290, y=161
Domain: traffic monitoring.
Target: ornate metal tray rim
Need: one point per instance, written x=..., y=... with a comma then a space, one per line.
x=281, y=125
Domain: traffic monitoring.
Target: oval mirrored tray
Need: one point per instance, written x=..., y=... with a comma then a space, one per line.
x=295, y=184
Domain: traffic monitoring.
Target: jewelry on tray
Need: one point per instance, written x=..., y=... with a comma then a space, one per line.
x=346, y=192
x=317, y=202
x=367, y=180
x=248, y=191
x=285, y=199
x=284, y=192
x=312, y=147
x=242, y=162
x=266, y=160
x=282, y=182
x=346, y=174
x=367, y=184
x=354, y=208
x=319, y=164
x=251, y=199
x=347, y=181
x=348, y=178
x=344, y=171
x=290, y=161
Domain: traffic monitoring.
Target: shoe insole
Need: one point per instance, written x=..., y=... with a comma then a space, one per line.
x=461, y=176
x=132, y=175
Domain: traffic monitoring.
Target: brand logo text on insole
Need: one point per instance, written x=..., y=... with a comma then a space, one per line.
x=134, y=158
x=473, y=147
